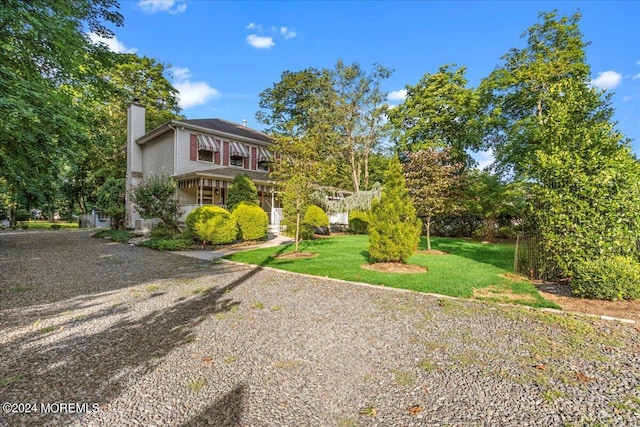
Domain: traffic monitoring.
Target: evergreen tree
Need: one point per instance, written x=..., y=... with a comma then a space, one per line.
x=394, y=230
x=242, y=189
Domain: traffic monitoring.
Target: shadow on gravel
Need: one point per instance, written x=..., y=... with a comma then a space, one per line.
x=225, y=412
x=97, y=367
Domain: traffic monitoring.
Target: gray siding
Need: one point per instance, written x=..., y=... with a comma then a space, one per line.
x=157, y=156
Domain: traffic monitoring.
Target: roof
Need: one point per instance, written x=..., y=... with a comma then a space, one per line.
x=228, y=173
x=220, y=125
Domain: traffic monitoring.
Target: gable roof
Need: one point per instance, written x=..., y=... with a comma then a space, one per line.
x=224, y=127
x=231, y=128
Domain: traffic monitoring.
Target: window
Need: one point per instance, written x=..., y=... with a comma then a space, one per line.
x=263, y=165
x=205, y=156
x=237, y=161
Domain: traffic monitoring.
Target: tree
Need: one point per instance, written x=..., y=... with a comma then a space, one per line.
x=344, y=105
x=44, y=47
x=514, y=95
x=394, y=229
x=359, y=116
x=242, y=189
x=439, y=111
x=297, y=119
x=155, y=197
x=432, y=182
x=111, y=199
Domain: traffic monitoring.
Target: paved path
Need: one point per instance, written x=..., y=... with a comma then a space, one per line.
x=97, y=333
x=209, y=255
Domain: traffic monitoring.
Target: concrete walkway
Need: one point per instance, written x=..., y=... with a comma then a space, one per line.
x=209, y=255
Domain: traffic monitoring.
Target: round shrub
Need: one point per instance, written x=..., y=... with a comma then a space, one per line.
x=615, y=278
x=359, y=222
x=252, y=220
x=213, y=224
x=316, y=219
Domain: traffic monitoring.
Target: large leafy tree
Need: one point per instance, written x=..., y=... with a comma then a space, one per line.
x=43, y=51
x=556, y=132
x=439, y=111
x=297, y=117
x=104, y=106
x=432, y=182
x=344, y=105
x=515, y=93
x=359, y=117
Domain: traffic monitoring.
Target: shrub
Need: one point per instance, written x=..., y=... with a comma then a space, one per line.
x=394, y=230
x=242, y=189
x=213, y=224
x=168, y=243
x=506, y=233
x=359, y=222
x=252, y=220
x=155, y=197
x=316, y=219
x=615, y=278
x=160, y=231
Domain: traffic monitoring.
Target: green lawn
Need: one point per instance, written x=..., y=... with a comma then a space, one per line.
x=46, y=225
x=468, y=265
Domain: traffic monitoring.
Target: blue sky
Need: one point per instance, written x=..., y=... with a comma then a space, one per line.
x=223, y=54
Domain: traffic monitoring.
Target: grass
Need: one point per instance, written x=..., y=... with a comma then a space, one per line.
x=469, y=265
x=46, y=225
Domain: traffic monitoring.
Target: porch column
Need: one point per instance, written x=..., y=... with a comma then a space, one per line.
x=200, y=190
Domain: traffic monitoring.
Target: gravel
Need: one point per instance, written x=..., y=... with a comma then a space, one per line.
x=97, y=333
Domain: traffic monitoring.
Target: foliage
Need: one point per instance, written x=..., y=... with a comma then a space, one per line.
x=252, y=220
x=45, y=54
x=242, y=189
x=111, y=198
x=316, y=217
x=394, y=230
x=161, y=231
x=344, y=105
x=359, y=222
x=432, y=182
x=514, y=93
x=469, y=265
x=586, y=189
x=298, y=122
x=439, y=111
x=616, y=278
x=155, y=197
x=115, y=235
x=168, y=243
x=213, y=224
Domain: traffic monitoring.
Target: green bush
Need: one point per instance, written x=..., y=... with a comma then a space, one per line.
x=168, y=243
x=359, y=222
x=160, y=231
x=506, y=233
x=213, y=224
x=23, y=225
x=616, y=278
x=242, y=189
x=252, y=220
x=316, y=219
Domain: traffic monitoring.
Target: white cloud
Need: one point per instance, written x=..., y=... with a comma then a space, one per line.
x=192, y=93
x=397, y=95
x=260, y=42
x=170, y=6
x=113, y=44
x=636, y=77
x=607, y=80
x=287, y=33
x=254, y=26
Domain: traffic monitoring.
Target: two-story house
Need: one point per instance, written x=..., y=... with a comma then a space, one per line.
x=203, y=156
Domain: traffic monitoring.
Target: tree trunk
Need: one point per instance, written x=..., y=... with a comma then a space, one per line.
x=297, y=230
x=428, y=233
x=354, y=172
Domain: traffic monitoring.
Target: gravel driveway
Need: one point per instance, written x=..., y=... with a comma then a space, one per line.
x=108, y=334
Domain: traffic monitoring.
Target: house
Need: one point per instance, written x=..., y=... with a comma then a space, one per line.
x=203, y=156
